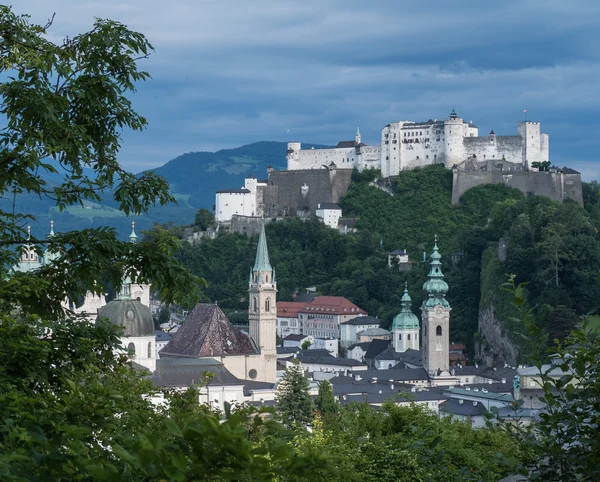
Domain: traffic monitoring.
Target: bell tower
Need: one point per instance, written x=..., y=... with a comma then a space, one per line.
x=436, y=319
x=262, y=309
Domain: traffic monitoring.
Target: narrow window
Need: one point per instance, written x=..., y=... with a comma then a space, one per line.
x=131, y=349
x=149, y=349
x=438, y=330
x=267, y=305
x=254, y=304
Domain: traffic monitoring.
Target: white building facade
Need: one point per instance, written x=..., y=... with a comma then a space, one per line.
x=407, y=144
x=241, y=201
x=330, y=214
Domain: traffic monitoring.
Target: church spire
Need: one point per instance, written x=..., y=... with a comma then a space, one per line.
x=357, y=137
x=51, y=234
x=133, y=236
x=262, y=262
x=435, y=286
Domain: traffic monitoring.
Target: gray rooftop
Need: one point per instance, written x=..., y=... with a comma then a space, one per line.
x=362, y=320
x=466, y=409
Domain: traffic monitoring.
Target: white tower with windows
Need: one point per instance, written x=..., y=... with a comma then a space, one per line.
x=405, y=328
x=262, y=310
x=436, y=320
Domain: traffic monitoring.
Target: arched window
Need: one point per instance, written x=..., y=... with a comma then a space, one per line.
x=408, y=337
x=399, y=336
x=267, y=305
x=389, y=365
x=254, y=304
x=438, y=330
x=149, y=349
x=131, y=349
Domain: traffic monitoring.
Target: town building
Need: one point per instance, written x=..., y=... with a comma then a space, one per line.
x=287, y=322
x=241, y=201
x=329, y=213
x=371, y=334
x=322, y=317
x=399, y=258
x=349, y=329
x=296, y=341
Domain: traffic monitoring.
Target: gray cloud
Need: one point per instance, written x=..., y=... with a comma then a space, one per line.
x=231, y=72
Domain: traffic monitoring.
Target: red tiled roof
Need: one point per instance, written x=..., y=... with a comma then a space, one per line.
x=457, y=346
x=289, y=309
x=334, y=304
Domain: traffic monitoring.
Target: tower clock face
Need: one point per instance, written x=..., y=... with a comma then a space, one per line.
x=438, y=311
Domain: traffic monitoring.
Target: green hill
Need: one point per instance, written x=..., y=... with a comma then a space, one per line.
x=355, y=266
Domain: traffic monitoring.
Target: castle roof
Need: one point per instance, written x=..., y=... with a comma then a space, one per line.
x=207, y=332
x=345, y=144
x=233, y=191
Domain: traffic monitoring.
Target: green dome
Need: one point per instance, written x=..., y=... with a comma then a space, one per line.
x=131, y=314
x=406, y=319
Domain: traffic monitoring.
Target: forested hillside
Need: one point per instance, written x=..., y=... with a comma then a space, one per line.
x=554, y=246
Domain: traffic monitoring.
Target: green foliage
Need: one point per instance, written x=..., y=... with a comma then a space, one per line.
x=203, y=219
x=67, y=104
x=294, y=404
x=325, y=400
x=306, y=344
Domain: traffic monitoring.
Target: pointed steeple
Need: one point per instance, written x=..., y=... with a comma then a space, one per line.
x=262, y=262
x=133, y=236
x=435, y=286
x=357, y=137
x=50, y=256
x=51, y=234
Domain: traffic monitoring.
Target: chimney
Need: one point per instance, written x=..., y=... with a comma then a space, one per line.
x=392, y=386
x=504, y=380
x=380, y=392
x=460, y=401
x=357, y=377
x=476, y=365
x=374, y=380
x=474, y=404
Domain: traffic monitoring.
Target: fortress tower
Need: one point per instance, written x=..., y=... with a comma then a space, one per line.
x=453, y=134
x=534, y=144
x=293, y=156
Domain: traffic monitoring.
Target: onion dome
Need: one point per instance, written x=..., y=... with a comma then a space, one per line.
x=435, y=286
x=406, y=319
x=130, y=314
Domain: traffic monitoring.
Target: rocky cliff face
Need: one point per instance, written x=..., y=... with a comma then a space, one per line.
x=494, y=345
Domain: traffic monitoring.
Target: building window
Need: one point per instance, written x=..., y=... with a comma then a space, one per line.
x=399, y=336
x=252, y=374
x=149, y=349
x=254, y=304
x=267, y=305
x=408, y=337
x=438, y=330
x=131, y=349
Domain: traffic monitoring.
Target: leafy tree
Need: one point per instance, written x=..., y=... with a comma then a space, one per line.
x=325, y=401
x=204, y=219
x=164, y=316
x=306, y=344
x=294, y=403
x=68, y=102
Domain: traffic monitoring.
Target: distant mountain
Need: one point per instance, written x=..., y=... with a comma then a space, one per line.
x=193, y=178
x=197, y=175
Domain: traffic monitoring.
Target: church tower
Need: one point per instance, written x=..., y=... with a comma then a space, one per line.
x=357, y=136
x=262, y=310
x=436, y=319
x=405, y=328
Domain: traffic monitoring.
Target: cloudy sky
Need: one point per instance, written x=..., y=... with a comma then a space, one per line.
x=231, y=72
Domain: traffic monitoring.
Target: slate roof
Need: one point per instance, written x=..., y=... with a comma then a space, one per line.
x=251, y=385
x=162, y=336
x=343, y=144
x=294, y=337
x=233, y=191
x=185, y=372
x=389, y=354
x=363, y=346
x=398, y=252
x=468, y=392
x=329, y=360
x=328, y=206
x=376, y=347
x=350, y=222
x=395, y=374
x=568, y=170
x=362, y=320
x=208, y=332
x=396, y=396
x=374, y=332
x=413, y=357
x=465, y=409
x=305, y=298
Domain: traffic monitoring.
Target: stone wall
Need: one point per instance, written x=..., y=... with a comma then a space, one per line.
x=248, y=225
x=555, y=185
x=289, y=192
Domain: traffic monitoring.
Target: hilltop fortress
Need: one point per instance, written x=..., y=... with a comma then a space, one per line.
x=407, y=144
x=322, y=176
